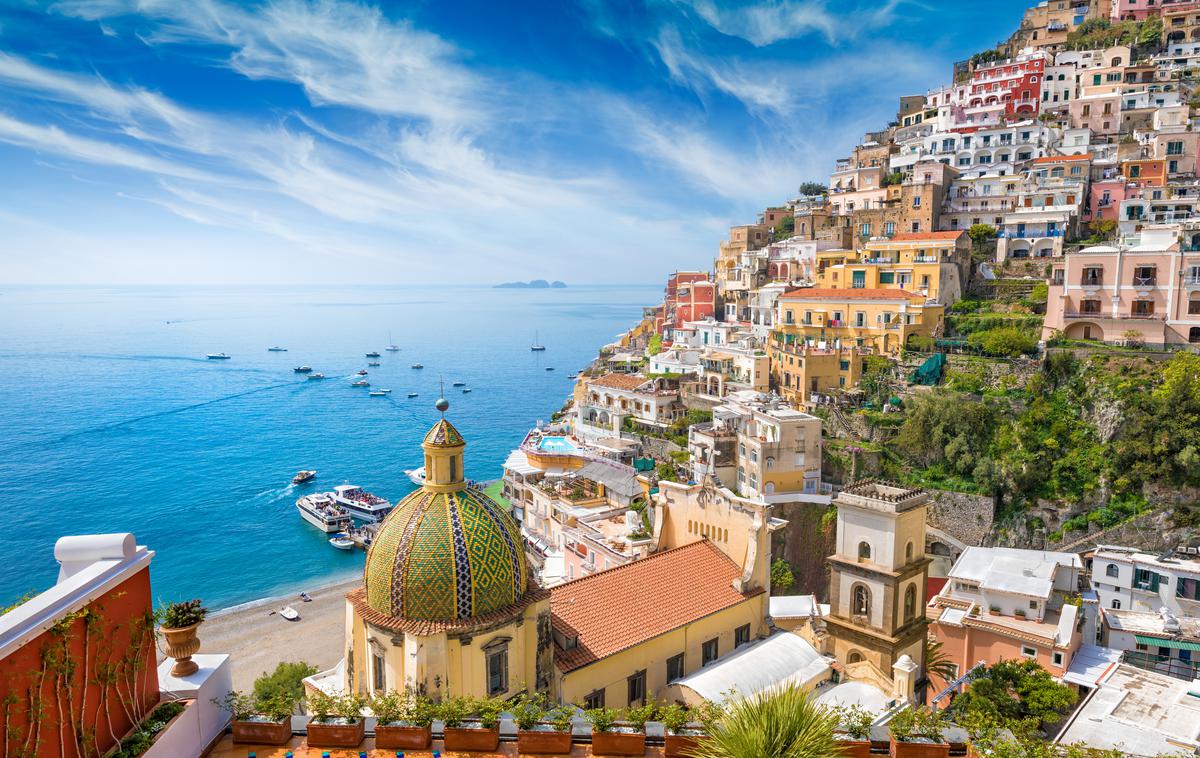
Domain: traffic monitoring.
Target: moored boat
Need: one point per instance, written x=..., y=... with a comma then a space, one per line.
x=379, y=393
x=537, y=346
x=416, y=475
x=466, y=390
x=288, y=613
x=326, y=515
x=549, y=368
x=392, y=347
x=417, y=365
x=412, y=394
x=459, y=384
x=304, y=476
x=361, y=504
x=374, y=363
x=361, y=372
x=303, y=369
x=342, y=541
x=373, y=354
x=316, y=376
x=218, y=356
x=360, y=383
x=276, y=349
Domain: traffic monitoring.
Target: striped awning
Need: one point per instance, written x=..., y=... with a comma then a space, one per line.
x=1159, y=642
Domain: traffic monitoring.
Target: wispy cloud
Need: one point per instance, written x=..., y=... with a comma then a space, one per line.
x=765, y=23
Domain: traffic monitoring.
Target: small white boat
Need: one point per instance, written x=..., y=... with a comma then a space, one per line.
x=459, y=384
x=361, y=372
x=304, y=476
x=572, y=376
x=316, y=376
x=373, y=354
x=417, y=365
x=412, y=394
x=537, y=346
x=276, y=349
x=392, y=348
x=289, y=613
x=342, y=542
x=303, y=369
x=360, y=383
x=218, y=357
x=386, y=392
x=378, y=393
x=466, y=390
x=416, y=475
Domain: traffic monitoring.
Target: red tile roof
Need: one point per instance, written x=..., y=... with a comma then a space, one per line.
x=913, y=236
x=614, y=610
x=619, y=381
x=1062, y=158
x=829, y=293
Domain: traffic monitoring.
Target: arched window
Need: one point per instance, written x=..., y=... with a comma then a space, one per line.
x=1116, y=604
x=854, y=657
x=908, y=552
x=910, y=603
x=864, y=551
x=1112, y=570
x=862, y=601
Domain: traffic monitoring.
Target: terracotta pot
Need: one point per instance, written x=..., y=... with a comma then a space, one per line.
x=547, y=742
x=919, y=749
x=182, y=644
x=468, y=740
x=263, y=732
x=855, y=748
x=681, y=745
x=399, y=737
x=336, y=735
x=618, y=743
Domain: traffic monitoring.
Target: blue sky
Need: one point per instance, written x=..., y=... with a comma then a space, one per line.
x=294, y=141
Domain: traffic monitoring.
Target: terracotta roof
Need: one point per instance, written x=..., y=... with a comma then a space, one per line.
x=1061, y=158
x=358, y=598
x=913, y=236
x=862, y=293
x=614, y=610
x=620, y=381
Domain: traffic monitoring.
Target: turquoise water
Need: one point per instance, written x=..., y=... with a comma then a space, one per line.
x=557, y=445
x=113, y=420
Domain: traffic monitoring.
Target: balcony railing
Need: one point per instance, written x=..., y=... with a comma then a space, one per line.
x=1082, y=314
x=1145, y=281
x=1143, y=316
x=925, y=259
x=1029, y=234
x=1091, y=281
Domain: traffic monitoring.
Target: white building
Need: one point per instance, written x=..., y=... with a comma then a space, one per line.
x=1127, y=579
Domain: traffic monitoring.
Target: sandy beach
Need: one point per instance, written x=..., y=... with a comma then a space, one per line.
x=259, y=639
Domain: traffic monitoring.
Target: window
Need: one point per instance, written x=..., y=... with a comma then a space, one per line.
x=377, y=673
x=675, y=667
x=910, y=603
x=1174, y=148
x=637, y=687
x=708, y=652
x=864, y=551
x=741, y=636
x=1116, y=605
x=1029, y=652
x=889, y=228
x=908, y=552
x=917, y=201
x=497, y=667
x=1033, y=605
x=1057, y=658
x=594, y=699
x=861, y=598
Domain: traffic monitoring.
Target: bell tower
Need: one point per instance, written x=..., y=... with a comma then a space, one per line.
x=877, y=576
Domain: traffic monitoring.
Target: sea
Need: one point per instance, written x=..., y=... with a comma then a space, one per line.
x=113, y=420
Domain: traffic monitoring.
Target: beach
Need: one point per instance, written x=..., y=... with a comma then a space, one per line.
x=258, y=640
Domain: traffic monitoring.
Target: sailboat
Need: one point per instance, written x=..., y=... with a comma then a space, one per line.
x=392, y=347
x=536, y=347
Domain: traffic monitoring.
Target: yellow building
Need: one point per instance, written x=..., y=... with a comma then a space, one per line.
x=934, y=264
x=879, y=319
x=800, y=370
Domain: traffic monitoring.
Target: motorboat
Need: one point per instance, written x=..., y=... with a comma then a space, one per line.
x=392, y=347
x=342, y=541
x=549, y=368
x=304, y=476
x=218, y=357
x=386, y=391
x=322, y=512
x=361, y=504
x=572, y=376
x=459, y=384
x=466, y=390
x=276, y=349
x=288, y=613
x=378, y=393
x=374, y=363
x=373, y=354
x=316, y=376
x=416, y=476
x=412, y=394
x=360, y=383
x=537, y=346
x=361, y=372
x=417, y=365
x=303, y=369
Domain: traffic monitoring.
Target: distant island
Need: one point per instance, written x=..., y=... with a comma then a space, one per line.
x=536, y=284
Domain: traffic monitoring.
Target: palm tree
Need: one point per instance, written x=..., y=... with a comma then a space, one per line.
x=938, y=663
x=784, y=723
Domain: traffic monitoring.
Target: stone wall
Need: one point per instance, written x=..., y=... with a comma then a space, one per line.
x=967, y=518
x=805, y=545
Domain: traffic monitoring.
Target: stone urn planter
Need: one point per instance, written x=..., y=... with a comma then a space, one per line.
x=263, y=732
x=681, y=745
x=919, y=749
x=182, y=644
x=618, y=743
x=466, y=739
x=402, y=737
x=333, y=734
x=543, y=741
x=855, y=748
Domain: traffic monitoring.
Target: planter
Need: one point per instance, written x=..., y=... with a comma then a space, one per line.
x=398, y=737
x=336, y=735
x=919, y=749
x=263, y=732
x=618, y=743
x=471, y=740
x=543, y=742
x=681, y=745
x=182, y=644
x=855, y=748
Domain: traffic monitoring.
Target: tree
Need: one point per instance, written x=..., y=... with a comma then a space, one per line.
x=875, y=380
x=1020, y=695
x=981, y=233
x=287, y=679
x=938, y=663
x=655, y=345
x=1004, y=341
x=810, y=189
x=950, y=431
x=1101, y=229
x=785, y=228
x=782, y=723
x=782, y=577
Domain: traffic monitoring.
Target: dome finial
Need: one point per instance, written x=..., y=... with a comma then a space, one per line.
x=442, y=403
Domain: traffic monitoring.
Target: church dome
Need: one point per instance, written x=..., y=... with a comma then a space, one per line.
x=447, y=552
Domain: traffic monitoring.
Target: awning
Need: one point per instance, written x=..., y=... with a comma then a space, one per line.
x=1174, y=644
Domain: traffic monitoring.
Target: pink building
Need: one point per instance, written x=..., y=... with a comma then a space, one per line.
x=1012, y=87
x=690, y=296
x=1105, y=199
x=1134, y=10
x=1148, y=291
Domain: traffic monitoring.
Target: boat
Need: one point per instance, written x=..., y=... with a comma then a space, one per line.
x=360, y=383
x=304, y=476
x=326, y=515
x=466, y=390
x=392, y=347
x=572, y=376
x=361, y=504
x=537, y=346
x=374, y=363
x=342, y=541
x=549, y=368
x=303, y=369
x=361, y=372
x=412, y=394
x=218, y=357
x=316, y=376
x=289, y=613
x=416, y=476
x=386, y=391
x=305, y=597
x=378, y=393
x=459, y=384
x=373, y=354
x=417, y=365
x=276, y=349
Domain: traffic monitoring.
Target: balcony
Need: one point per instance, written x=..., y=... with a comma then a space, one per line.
x=925, y=259
x=1082, y=314
x=1143, y=316
x=1145, y=281
x=1091, y=281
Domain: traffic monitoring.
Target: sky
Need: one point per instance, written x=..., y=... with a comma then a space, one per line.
x=445, y=141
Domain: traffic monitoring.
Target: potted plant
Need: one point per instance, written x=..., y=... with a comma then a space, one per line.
x=854, y=731
x=540, y=729
x=682, y=734
x=337, y=720
x=917, y=733
x=179, y=624
x=402, y=721
x=471, y=725
x=610, y=736
x=260, y=721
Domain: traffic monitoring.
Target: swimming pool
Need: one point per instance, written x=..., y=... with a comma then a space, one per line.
x=557, y=445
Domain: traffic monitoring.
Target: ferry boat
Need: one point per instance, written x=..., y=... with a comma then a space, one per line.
x=537, y=347
x=361, y=504
x=326, y=515
x=316, y=376
x=304, y=476
x=276, y=349
x=416, y=475
x=342, y=541
x=218, y=357
x=373, y=354
x=360, y=383
x=303, y=369
x=417, y=365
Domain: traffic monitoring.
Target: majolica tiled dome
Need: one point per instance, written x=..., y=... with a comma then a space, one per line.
x=445, y=555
